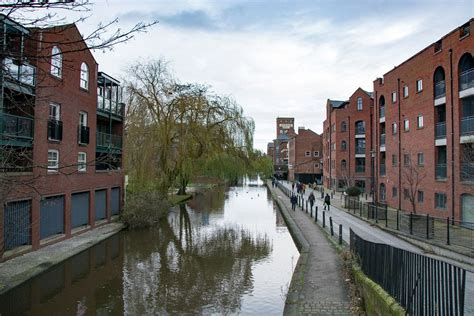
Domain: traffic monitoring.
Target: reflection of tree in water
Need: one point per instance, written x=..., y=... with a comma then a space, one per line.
x=211, y=200
x=190, y=271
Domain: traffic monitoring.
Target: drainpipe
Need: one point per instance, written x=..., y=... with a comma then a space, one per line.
x=330, y=147
x=376, y=151
x=349, y=145
x=399, y=148
x=452, y=133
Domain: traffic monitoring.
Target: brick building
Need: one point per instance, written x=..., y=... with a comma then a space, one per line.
x=270, y=150
x=305, y=156
x=347, y=142
x=284, y=131
x=424, y=129
x=61, y=123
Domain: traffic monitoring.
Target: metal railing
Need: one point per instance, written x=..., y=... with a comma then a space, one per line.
x=360, y=150
x=441, y=171
x=466, y=79
x=382, y=112
x=360, y=130
x=382, y=169
x=467, y=125
x=439, y=89
x=440, y=130
x=467, y=171
x=16, y=127
x=23, y=73
x=382, y=139
x=111, y=106
x=422, y=285
x=83, y=134
x=106, y=140
x=55, y=129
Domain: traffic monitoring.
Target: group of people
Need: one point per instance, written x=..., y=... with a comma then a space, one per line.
x=300, y=189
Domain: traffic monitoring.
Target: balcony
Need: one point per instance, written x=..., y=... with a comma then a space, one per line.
x=83, y=135
x=360, y=168
x=467, y=125
x=440, y=130
x=467, y=171
x=16, y=130
x=382, y=139
x=441, y=171
x=440, y=93
x=55, y=130
x=382, y=112
x=360, y=130
x=107, y=141
x=383, y=169
x=23, y=73
x=110, y=106
x=360, y=150
x=466, y=83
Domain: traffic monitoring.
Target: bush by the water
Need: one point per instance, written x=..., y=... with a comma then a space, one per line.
x=353, y=191
x=144, y=209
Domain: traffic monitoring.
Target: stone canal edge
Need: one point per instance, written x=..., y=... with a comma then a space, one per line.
x=20, y=269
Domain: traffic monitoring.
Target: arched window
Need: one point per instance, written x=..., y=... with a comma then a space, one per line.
x=466, y=72
x=359, y=104
x=56, y=62
x=382, y=106
x=343, y=145
x=439, y=83
x=343, y=126
x=84, y=76
x=343, y=164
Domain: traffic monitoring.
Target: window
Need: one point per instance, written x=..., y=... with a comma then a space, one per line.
x=394, y=192
x=343, y=164
x=53, y=160
x=394, y=97
x=343, y=126
x=54, y=111
x=333, y=127
x=421, y=196
x=406, y=194
x=406, y=125
x=421, y=159
x=465, y=30
x=419, y=85
x=405, y=91
x=438, y=46
x=419, y=121
x=56, y=62
x=406, y=159
x=360, y=165
x=359, y=104
x=394, y=160
x=81, y=161
x=84, y=76
x=440, y=200
x=394, y=128
x=316, y=154
x=360, y=127
x=307, y=154
x=82, y=118
x=343, y=145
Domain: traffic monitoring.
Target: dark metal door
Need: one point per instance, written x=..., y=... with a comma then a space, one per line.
x=17, y=224
x=100, y=204
x=115, y=201
x=52, y=216
x=80, y=209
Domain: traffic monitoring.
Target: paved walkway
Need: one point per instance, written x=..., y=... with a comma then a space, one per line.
x=323, y=290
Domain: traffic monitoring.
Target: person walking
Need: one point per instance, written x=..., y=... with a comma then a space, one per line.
x=293, y=202
x=311, y=199
x=292, y=186
x=327, y=201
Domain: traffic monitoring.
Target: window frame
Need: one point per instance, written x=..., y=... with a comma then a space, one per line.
x=394, y=96
x=360, y=104
x=405, y=91
x=420, y=162
x=82, y=114
x=316, y=153
x=56, y=62
x=420, y=196
x=307, y=154
x=406, y=159
x=406, y=125
x=440, y=197
x=84, y=76
x=53, y=168
x=419, y=85
x=419, y=119
x=82, y=164
x=57, y=115
x=394, y=128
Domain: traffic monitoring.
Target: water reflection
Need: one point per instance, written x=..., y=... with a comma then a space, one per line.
x=229, y=253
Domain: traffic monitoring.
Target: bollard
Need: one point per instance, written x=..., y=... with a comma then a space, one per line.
x=398, y=219
x=448, y=242
x=324, y=219
x=386, y=215
x=376, y=214
x=427, y=226
x=316, y=214
x=306, y=206
x=330, y=226
x=360, y=212
x=340, y=234
x=411, y=223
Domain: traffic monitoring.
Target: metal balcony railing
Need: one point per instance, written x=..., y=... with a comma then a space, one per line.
x=83, y=134
x=440, y=130
x=467, y=125
x=382, y=139
x=439, y=89
x=24, y=73
x=16, y=127
x=55, y=129
x=360, y=130
x=106, y=140
x=467, y=171
x=360, y=150
x=383, y=169
x=382, y=112
x=466, y=79
x=441, y=171
x=109, y=105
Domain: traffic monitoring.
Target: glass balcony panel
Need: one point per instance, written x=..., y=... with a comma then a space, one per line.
x=440, y=89
x=467, y=125
x=466, y=79
x=441, y=171
x=440, y=130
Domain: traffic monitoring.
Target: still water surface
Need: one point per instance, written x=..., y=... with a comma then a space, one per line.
x=224, y=252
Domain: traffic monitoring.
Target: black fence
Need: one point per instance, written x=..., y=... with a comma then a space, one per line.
x=421, y=285
x=443, y=231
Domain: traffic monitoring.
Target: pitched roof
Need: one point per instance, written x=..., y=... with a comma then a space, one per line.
x=337, y=104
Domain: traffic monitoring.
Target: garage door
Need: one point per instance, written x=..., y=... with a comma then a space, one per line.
x=17, y=224
x=80, y=209
x=52, y=216
x=100, y=204
x=115, y=201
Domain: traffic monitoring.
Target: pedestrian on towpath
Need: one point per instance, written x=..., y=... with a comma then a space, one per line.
x=327, y=201
x=292, y=186
x=293, y=201
x=311, y=199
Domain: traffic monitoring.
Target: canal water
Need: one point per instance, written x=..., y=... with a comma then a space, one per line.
x=224, y=252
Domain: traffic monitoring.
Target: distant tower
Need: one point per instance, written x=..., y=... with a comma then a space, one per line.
x=283, y=124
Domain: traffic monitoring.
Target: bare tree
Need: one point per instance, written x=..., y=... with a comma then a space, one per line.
x=467, y=162
x=413, y=176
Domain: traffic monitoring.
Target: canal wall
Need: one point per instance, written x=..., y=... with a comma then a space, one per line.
x=20, y=269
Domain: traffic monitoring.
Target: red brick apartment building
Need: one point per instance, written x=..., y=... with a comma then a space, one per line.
x=284, y=130
x=347, y=142
x=61, y=125
x=424, y=129
x=305, y=156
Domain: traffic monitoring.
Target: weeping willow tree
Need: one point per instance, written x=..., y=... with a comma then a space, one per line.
x=178, y=131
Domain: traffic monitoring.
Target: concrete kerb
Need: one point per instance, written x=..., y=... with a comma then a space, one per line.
x=20, y=269
x=297, y=281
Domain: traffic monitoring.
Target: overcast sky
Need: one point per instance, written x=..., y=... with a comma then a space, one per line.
x=279, y=58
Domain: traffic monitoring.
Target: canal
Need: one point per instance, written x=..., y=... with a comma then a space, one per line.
x=224, y=252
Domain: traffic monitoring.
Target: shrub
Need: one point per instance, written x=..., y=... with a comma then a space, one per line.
x=144, y=209
x=353, y=191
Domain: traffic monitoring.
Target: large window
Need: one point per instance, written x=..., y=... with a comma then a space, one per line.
x=56, y=62
x=359, y=104
x=53, y=160
x=440, y=200
x=84, y=76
